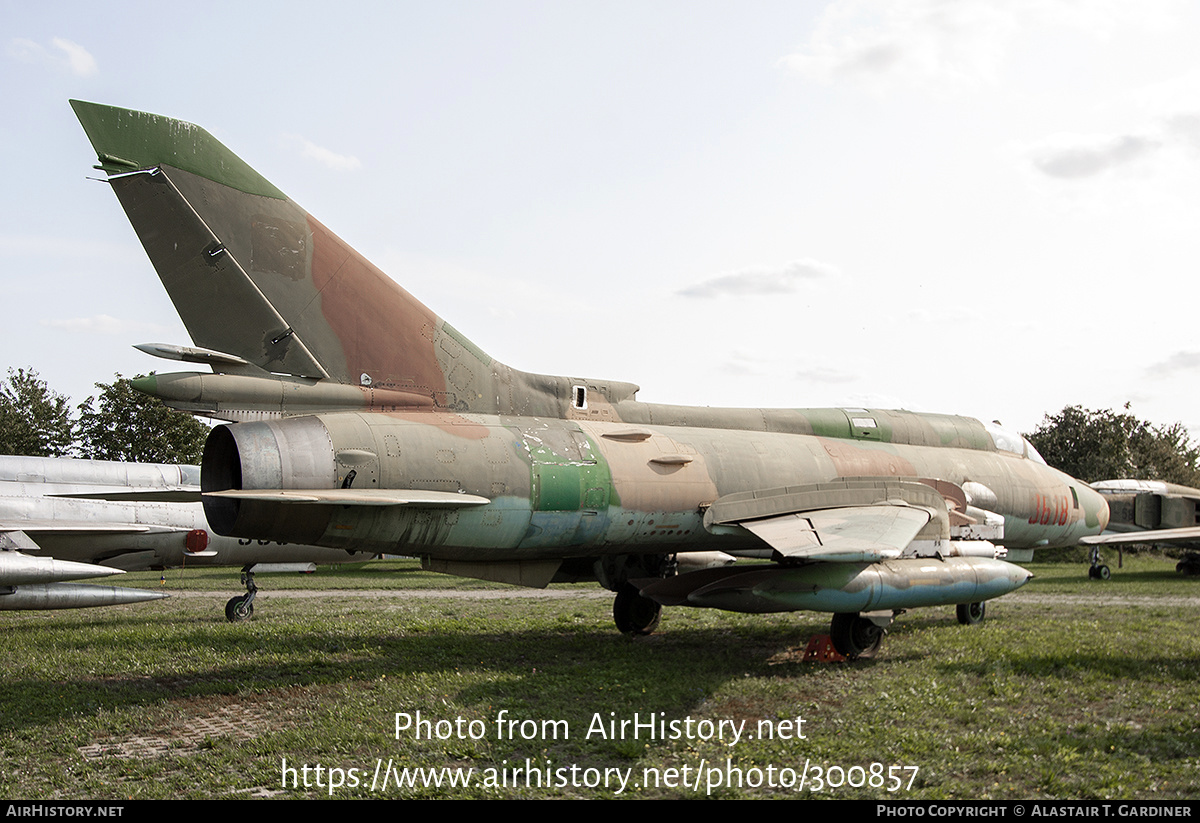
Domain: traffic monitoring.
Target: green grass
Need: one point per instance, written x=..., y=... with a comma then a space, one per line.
x=378, y=574
x=1072, y=688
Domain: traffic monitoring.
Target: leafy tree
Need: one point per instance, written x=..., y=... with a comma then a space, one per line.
x=1104, y=445
x=34, y=420
x=124, y=424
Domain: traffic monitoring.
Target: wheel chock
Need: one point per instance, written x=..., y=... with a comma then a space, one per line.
x=820, y=650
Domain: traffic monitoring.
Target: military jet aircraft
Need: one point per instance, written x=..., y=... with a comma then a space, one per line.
x=389, y=430
x=93, y=518
x=1148, y=511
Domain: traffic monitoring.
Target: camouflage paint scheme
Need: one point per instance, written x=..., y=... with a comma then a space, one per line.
x=579, y=488
x=354, y=393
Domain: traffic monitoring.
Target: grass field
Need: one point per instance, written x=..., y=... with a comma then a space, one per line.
x=1071, y=689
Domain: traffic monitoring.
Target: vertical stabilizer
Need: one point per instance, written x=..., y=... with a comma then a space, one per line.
x=255, y=276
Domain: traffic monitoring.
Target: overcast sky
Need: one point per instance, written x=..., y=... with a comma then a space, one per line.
x=984, y=208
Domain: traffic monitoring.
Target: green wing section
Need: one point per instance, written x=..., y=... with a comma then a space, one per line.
x=127, y=140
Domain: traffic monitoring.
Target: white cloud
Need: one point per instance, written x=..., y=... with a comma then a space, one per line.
x=782, y=280
x=946, y=43
x=62, y=53
x=907, y=43
x=329, y=159
x=78, y=58
x=1171, y=138
x=1072, y=156
x=1178, y=362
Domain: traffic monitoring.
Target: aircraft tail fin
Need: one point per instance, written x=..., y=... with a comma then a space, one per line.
x=127, y=140
x=254, y=276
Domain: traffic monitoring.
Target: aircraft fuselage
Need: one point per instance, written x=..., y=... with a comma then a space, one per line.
x=578, y=488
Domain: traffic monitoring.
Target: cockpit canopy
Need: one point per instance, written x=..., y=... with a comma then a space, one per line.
x=1007, y=441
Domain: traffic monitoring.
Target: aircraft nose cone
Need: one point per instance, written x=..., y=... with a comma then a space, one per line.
x=1095, y=509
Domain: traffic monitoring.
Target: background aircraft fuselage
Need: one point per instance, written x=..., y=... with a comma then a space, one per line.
x=129, y=535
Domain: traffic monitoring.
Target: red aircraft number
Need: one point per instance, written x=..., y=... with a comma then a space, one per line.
x=1049, y=510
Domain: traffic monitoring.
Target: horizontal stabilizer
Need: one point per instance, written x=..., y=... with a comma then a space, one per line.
x=355, y=497
x=180, y=494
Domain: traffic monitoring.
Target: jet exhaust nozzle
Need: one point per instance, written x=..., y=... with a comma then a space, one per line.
x=296, y=453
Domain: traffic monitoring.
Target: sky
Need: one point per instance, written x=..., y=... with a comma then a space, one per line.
x=975, y=207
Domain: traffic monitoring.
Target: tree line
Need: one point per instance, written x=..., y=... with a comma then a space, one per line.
x=117, y=423
x=1107, y=445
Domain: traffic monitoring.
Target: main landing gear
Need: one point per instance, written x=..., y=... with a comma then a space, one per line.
x=858, y=636
x=1189, y=565
x=634, y=615
x=242, y=607
x=971, y=613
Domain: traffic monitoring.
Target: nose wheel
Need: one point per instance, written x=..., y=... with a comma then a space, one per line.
x=1097, y=571
x=242, y=607
x=239, y=608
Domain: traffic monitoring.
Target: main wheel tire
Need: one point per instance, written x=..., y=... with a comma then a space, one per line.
x=237, y=609
x=971, y=613
x=854, y=636
x=635, y=615
x=1103, y=573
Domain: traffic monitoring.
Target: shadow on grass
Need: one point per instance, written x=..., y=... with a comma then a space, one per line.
x=526, y=667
